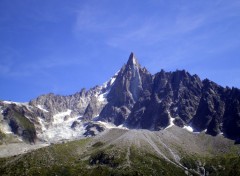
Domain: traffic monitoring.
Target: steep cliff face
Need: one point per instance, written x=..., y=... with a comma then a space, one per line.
x=186, y=100
x=130, y=85
x=174, y=94
x=141, y=100
x=19, y=120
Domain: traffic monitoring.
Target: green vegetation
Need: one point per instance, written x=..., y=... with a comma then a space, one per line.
x=60, y=159
x=2, y=135
x=7, y=138
x=82, y=158
x=28, y=129
x=88, y=157
x=226, y=164
x=150, y=164
x=98, y=144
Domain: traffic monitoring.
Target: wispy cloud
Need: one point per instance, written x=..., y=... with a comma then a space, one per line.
x=34, y=67
x=128, y=30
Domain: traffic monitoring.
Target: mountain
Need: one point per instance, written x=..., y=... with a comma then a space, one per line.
x=169, y=123
x=141, y=100
x=133, y=98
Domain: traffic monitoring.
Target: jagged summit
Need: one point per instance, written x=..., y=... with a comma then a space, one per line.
x=135, y=98
x=172, y=102
x=132, y=60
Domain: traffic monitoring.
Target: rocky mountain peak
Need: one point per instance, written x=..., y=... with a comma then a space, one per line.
x=137, y=99
x=132, y=60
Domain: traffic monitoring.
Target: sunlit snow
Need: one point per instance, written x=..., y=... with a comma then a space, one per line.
x=134, y=61
x=60, y=128
x=188, y=128
x=171, y=123
x=59, y=118
x=110, y=125
x=102, y=97
x=17, y=103
x=41, y=108
x=5, y=127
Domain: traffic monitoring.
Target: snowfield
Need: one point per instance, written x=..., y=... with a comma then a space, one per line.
x=60, y=129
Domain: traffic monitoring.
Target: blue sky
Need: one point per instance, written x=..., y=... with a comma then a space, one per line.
x=62, y=46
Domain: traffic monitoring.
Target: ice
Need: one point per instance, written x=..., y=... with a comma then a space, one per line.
x=59, y=118
x=41, y=121
x=41, y=108
x=61, y=130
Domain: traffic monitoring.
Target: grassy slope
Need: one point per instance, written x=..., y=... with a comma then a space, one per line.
x=74, y=158
x=93, y=157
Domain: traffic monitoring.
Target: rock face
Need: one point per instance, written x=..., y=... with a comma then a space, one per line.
x=131, y=84
x=77, y=102
x=141, y=100
x=137, y=99
x=19, y=124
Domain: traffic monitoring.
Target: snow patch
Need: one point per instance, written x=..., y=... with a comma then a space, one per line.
x=107, y=125
x=171, y=120
x=110, y=125
x=5, y=128
x=134, y=61
x=188, y=128
x=42, y=123
x=102, y=97
x=61, y=130
x=122, y=127
x=175, y=109
x=41, y=108
x=112, y=80
x=171, y=123
x=17, y=103
x=59, y=118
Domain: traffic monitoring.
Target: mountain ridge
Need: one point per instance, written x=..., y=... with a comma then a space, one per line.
x=137, y=99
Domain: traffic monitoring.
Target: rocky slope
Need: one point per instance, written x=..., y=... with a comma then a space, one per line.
x=172, y=151
x=134, y=98
x=141, y=100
